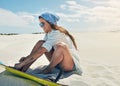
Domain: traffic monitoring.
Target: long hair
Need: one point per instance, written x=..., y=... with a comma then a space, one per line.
x=63, y=30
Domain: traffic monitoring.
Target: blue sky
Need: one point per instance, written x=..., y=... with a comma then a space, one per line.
x=21, y=16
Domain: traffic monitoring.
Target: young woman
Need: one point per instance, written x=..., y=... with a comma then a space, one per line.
x=58, y=46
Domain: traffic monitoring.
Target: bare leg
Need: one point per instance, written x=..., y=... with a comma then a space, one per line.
x=61, y=56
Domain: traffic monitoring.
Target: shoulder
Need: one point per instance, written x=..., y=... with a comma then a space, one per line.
x=55, y=33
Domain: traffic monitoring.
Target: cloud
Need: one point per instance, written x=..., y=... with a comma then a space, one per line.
x=8, y=18
x=69, y=17
x=74, y=7
x=106, y=12
x=28, y=17
x=76, y=11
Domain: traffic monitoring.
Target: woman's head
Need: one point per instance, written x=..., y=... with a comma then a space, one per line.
x=47, y=20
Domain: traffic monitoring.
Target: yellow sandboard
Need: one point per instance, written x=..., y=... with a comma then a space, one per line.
x=31, y=77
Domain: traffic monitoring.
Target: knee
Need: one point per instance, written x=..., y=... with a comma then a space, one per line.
x=61, y=45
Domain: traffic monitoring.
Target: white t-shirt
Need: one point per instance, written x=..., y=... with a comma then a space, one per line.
x=54, y=37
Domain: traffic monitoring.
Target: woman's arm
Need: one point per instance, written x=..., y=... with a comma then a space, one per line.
x=38, y=53
x=31, y=58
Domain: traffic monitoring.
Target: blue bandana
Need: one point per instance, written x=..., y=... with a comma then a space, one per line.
x=51, y=18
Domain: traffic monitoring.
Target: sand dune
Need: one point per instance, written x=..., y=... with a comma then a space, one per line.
x=99, y=53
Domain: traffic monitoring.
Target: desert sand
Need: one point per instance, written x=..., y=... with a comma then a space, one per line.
x=99, y=54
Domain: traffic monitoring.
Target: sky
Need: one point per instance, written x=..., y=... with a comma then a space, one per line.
x=21, y=16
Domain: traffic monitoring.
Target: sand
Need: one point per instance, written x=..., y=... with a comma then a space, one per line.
x=99, y=54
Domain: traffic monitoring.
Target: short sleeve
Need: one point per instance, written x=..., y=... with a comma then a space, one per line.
x=52, y=39
x=49, y=41
x=48, y=45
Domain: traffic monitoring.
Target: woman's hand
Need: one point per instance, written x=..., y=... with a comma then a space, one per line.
x=22, y=59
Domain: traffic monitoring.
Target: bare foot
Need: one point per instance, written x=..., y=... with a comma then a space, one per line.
x=17, y=66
